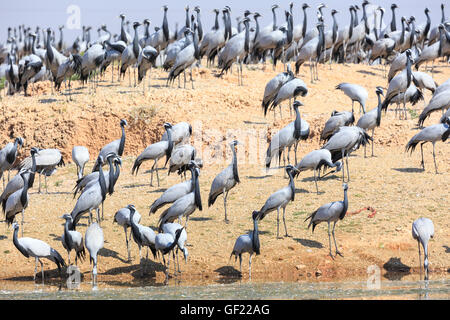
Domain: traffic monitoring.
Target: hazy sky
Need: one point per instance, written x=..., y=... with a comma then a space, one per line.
x=96, y=12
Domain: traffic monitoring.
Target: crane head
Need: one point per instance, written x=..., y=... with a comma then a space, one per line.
x=297, y=104
x=185, y=254
x=19, y=141
x=117, y=160
x=448, y=121
x=136, y=24
x=305, y=5
x=275, y=6
x=34, y=150
x=290, y=168
x=167, y=125
x=15, y=226
x=427, y=10
x=394, y=6
x=197, y=9
x=320, y=6
x=66, y=216
x=338, y=166
x=334, y=11
x=345, y=186
x=164, y=7
x=255, y=215
x=123, y=123
x=379, y=90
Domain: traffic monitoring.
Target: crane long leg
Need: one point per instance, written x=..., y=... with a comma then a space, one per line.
x=225, y=195
x=373, y=141
x=192, y=80
x=434, y=158
x=42, y=269
x=174, y=262
x=335, y=244
x=45, y=180
x=250, y=266
x=240, y=263
x=35, y=268
x=22, y=222
x=420, y=259
x=178, y=262
x=278, y=223
x=315, y=181
x=98, y=216
x=329, y=240
x=421, y=151
x=343, y=165
x=346, y=163
x=151, y=177
x=284, y=221
x=126, y=240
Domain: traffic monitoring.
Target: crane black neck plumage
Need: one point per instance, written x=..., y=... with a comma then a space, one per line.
x=50, y=55
x=197, y=197
x=412, y=32
x=291, y=181
x=123, y=35
x=256, y=16
x=350, y=31
x=216, y=20
x=24, y=194
x=67, y=236
x=427, y=26
x=123, y=123
x=297, y=122
x=255, y=234
x=335, y=26
x=165, y=25
x=274, y=26
x=136, y=45
x=17, y=243
x=305, y=20
x=101, y=180
x=169, y=144
x=33, y=168
x=345, y=203
x=366, y=24
x=393, y=22
x=234, y=163
x=199, y=24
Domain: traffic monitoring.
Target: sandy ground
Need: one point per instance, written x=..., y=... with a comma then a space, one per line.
x=219, y=110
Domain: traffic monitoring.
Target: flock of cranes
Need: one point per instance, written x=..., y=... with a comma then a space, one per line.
x=29, y=56
x=362, y=41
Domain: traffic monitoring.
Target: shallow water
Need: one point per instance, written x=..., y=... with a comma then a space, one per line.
x=432, y=289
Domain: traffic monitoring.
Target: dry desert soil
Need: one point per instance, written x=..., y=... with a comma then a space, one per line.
x=392, y=182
